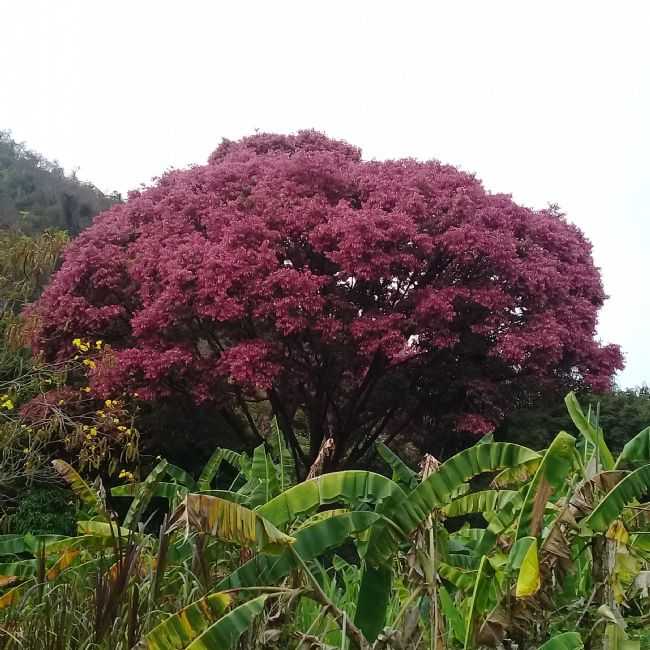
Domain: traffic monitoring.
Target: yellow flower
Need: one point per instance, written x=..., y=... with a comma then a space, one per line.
x=90, y=363
x=98, y=344
x=81, y=345
x=101, y=413
x=108, y=403
x=85, y=389
x=61, y=402
x=7, y=404
x=121, y=428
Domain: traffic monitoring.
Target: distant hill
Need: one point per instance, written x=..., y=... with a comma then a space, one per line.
x=36, y=194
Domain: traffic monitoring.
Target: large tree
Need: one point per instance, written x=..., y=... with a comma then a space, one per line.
x=367, y=299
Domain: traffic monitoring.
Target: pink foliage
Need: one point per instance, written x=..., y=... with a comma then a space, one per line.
x=288, y=264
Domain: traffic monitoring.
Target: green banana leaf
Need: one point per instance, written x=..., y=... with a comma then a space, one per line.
x=209, y=471
x=225, y=632
x=235, y=497
x=21, y=569
x=463, y=561
x=594, y=435
x=463, y=580
x=437, y=491
x=311, y=543
x=169, y=491
x=144, y=495
x=85, y=542
x=633, y=486
x=12, y=544
x=230, y=522
x=636, y=451
x=517, y=476
x=483, y=501
x=479, y=603
x=550, y=479
x=564, y=641
x=183, y=627
x=181, y=476
x=403, y=475
x=286, y=464
x=80, y=488
x=373, y=600
x=110, y=531
x=641, y=540
x=352, y=487
x=263, y=470
x=237, y=460
x=452, y=614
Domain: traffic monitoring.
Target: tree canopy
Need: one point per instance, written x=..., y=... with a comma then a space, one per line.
x=369, y=299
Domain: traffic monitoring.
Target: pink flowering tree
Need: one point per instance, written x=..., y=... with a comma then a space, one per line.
x=368, y=299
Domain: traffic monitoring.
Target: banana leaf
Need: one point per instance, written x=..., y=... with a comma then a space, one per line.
x=225, y=633
x=12, y=544
x=632, y=487
x=181, y=476
x=452, y=614
x=594, y=435
x=636, y=451
x=479, y=603
x=286, y=464
x=517, y=476
x=311, y=543
x=20, y=569
x=182, y=628
x=169, y=491
x=403, y=475
x=144, y=495
x=80, y=488
x=437, y=491
x=564, y=641
x=209, y=471
x=230, y=522
x=528, y=579
x=373, y=600
x=354, y=487
x=483, y=501
x=550, y=479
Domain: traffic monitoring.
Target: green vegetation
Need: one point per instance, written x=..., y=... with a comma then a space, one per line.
x=536, y=537
x=36, y=194
x=498, y=545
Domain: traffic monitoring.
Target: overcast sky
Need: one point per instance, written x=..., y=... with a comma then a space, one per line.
x=549, y=101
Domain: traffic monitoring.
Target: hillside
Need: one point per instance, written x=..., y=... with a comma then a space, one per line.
x=36, y=194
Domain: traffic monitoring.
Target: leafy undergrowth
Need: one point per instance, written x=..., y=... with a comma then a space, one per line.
x=350, y=559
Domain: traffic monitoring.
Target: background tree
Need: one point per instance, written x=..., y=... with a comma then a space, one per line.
x=369, y=299
x=621, y=414
x=36, y=194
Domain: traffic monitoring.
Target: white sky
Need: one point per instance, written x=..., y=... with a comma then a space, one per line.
x=549, y=101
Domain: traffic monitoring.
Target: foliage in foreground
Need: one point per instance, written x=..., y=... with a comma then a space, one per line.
x=555, y=555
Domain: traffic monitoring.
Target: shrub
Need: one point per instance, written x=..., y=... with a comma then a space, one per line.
x=45, y=511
